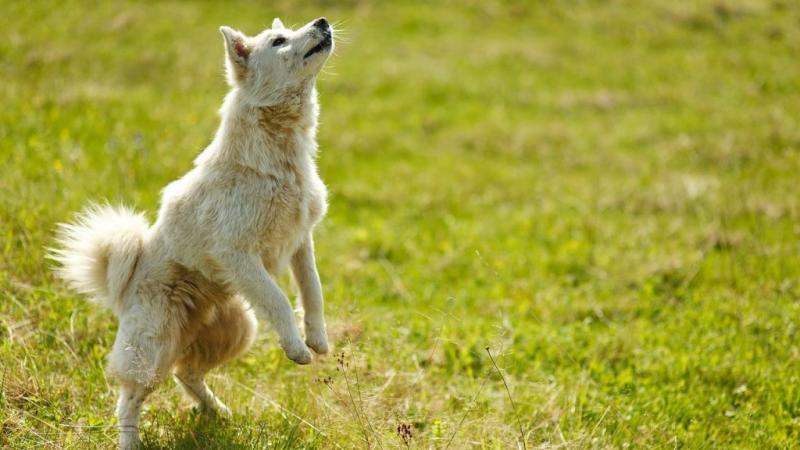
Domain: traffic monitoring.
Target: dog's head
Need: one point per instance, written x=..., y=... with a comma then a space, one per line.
x=277, y=63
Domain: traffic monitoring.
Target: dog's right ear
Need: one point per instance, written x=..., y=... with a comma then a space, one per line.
x=237, y=54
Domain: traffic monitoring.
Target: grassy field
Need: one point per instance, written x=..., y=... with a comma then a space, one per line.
x=603, y=193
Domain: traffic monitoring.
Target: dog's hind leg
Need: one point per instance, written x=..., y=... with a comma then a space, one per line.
x=141, y=357
x=228, y=334
x=196, y=388
x=129, y=405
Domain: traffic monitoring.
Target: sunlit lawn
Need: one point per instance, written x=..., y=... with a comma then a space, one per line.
x=604, y=193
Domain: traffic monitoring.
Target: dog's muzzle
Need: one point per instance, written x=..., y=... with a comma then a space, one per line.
x=324, y=28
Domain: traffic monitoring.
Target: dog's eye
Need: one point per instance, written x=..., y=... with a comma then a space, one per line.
x=278, y=41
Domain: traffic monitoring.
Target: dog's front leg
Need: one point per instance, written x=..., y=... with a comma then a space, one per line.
x=304, y=270
x=247, y=275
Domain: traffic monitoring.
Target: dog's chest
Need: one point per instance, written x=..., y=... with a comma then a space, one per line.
x=296, y=202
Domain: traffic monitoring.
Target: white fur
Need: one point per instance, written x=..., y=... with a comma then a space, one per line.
x=99, y=252
x=182, y=289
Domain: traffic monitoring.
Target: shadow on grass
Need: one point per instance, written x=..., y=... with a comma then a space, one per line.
x=195, y=430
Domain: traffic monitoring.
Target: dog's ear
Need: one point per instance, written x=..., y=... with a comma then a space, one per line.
x=277, y=24
x=237, y=54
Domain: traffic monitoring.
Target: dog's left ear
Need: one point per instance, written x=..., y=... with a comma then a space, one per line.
x=277, y=24
x=237, y=54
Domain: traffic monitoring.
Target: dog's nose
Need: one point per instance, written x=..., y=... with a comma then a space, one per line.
x=321, y=23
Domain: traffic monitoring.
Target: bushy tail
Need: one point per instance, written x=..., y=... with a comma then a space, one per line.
x=99, y=252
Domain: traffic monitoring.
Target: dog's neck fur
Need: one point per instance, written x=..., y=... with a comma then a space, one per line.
x=259, y=137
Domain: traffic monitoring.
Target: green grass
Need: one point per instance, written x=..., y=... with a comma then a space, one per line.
x=605, y=193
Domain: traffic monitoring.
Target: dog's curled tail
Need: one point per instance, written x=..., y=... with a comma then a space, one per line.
x=99, y=252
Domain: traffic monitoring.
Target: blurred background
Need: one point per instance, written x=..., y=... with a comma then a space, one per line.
x=602, y=192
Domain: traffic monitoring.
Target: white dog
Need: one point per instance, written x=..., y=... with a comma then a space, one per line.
x=182, y=288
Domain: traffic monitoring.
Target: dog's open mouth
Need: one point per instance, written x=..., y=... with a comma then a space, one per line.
x=323, y=45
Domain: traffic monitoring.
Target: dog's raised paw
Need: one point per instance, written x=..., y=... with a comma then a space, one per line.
x=318, y=344
x=299, y=354
x=302, y=358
